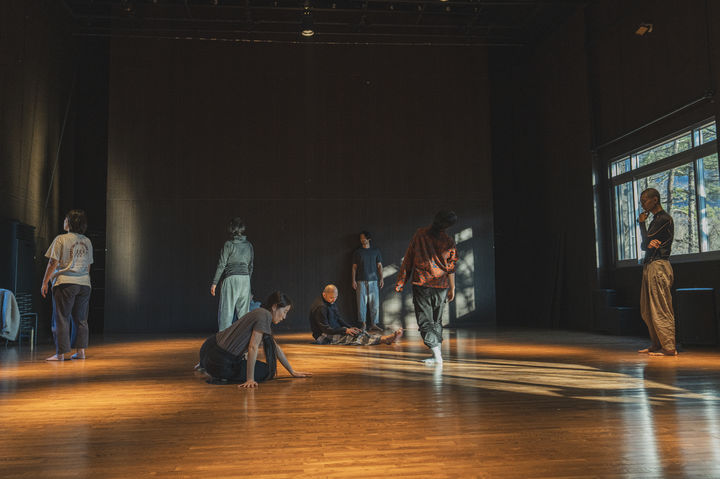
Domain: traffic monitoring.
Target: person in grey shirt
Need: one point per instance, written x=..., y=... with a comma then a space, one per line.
x=234, y=267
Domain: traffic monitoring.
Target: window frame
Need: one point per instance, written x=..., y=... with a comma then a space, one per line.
x=694, y=155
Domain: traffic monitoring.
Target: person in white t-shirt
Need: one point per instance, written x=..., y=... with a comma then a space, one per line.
x=69, y=258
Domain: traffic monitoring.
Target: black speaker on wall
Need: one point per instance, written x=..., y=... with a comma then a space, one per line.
x=17, y=252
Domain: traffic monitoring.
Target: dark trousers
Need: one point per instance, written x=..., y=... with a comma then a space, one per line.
x=221, y=364
x=70, y=304
x=429, y=307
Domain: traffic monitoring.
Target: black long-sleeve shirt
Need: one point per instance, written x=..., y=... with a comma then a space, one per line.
x=662, y=229
x=325, y=318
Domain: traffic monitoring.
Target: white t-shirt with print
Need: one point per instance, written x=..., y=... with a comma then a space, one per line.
x=74, y=254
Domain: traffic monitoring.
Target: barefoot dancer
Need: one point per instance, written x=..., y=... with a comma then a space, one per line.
x=231, y=354
x=329, y=328
x=655, y=297
x=431, y=256
x=69, y=258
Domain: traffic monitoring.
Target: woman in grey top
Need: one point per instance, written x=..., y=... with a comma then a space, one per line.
x=235, y=267
x=231, y=355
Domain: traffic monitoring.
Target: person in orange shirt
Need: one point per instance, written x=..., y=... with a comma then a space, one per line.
x=431, y=257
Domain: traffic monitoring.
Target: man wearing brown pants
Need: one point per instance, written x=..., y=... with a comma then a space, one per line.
x=655, y=297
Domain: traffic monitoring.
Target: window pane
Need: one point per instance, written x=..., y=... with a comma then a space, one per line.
x=709, y=191
x=672, y=147
x=677, y=195
x=620, y=166
x=707, y=133
x=625, y=221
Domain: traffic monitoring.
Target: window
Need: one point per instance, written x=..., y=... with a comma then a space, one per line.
x=684, y=169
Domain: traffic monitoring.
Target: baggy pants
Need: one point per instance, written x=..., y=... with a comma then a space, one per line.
x=656, y=304
x=429, y=307
x=234, y=299
x=70, y=303
x=362, y=339
x=368, y=295
x=221, y=364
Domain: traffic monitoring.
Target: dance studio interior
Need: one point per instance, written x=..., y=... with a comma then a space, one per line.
x=547, y=127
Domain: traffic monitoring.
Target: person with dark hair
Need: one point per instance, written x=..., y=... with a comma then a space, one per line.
x=655, y=297
x=431, y=257
x=69, y=258
x=367, y=280
x=231, y=355
x=328, y=327
x=235, y=268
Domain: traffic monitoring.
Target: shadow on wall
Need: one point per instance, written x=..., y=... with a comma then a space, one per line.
x=397, y=310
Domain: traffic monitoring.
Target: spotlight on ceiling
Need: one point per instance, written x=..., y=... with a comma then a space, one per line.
x=127, y=7
x=307, y=25
x=644, y=28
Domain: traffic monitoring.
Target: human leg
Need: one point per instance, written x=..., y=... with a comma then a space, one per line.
x=62, y=308
x=374, y=305
x=242, y=298
x=226, y=307
x=361, y=293
x=660, y=279
x=428, y=311
x=80, y=331
x=645, y=313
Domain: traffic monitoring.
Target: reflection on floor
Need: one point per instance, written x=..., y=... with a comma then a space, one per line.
x=505, y=404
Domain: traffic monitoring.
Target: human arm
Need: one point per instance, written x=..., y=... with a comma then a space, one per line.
x=381, y=281
x=659, y=235
x=321, y=318
x=252, y=352
x=451, y=290
x=52, y=264
x=286, y=364
x=222, y=262
x=354, y=275
x=406, y=266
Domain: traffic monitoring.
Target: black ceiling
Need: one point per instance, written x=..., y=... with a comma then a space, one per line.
x=467, y=22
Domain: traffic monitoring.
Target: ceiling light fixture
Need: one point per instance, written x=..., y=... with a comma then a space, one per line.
x=307, y=24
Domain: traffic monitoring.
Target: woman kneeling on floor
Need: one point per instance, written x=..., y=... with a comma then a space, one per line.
x=231, y=355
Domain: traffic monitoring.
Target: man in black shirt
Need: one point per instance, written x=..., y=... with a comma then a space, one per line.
x=367, y=275
x=655, y=297
x=329, y=328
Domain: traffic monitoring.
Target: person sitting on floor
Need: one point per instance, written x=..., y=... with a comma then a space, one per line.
x=329, y=328
x=231, y=354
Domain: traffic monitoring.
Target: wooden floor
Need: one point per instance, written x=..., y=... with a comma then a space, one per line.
x=513, y=404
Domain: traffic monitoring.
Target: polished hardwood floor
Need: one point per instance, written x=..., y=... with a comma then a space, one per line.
x=506, y=404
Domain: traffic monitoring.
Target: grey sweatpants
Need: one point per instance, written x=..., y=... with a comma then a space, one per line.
x=234, y=299
x=656, y=304
x=429, y=307
x=70, y=303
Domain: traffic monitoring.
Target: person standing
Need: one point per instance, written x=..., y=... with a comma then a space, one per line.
x=235, y=268
x=367, y=280
x=69, y=258
x=655, y=297
x=431, y=257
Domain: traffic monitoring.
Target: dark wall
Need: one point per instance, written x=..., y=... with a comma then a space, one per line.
x=37, y=67
x=310, y=144
x=568, y=98
x=543, y=182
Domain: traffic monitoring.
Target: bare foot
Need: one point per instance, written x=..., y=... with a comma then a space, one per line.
x=432, y=361
x=56, y=357
x=648, y=350
x=664, y=352
x=392, y=337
